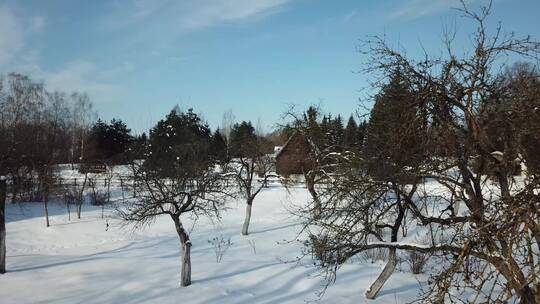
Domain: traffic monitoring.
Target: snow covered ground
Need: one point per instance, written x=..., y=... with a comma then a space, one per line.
x=80, y=261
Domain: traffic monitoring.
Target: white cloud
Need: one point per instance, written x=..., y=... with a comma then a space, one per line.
x=84, y=76
x=14, y=32
x=11, y=35
x=210, y=13
x=185, y=16
x=16, y=54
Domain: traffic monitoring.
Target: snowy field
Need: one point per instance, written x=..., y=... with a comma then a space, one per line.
x=83, y=261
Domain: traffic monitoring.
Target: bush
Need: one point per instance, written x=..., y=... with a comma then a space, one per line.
x=417, y=261
x=220, y=246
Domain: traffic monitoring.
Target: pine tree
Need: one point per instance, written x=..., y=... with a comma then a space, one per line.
x=336, y=132
x=108, y=142
x=350, y=134
x=243, y=140
x=361, y=135
x=313, y=127
x=326, y=137
x=218, y=146
x=181, y=140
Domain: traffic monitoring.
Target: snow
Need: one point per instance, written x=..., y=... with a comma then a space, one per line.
x=84, y=261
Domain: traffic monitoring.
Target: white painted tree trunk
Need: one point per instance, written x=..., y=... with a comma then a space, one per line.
x=186, y=264
x=457, y=205
x=373, y=290
x=245, y=227
x=185, y=259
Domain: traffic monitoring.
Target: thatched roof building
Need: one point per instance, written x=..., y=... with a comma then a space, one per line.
x=295, y=156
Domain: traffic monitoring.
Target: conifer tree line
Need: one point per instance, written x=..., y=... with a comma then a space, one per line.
x=327, y=131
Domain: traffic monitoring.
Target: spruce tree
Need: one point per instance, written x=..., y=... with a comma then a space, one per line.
x=350, y=133
x=394, y=133
x=243, y=140
x=181, y=140
x=218, y=146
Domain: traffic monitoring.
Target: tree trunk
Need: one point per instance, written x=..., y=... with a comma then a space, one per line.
x=16, y=183
x=2, y=225
x=247, y=219
x=81, y=196
x=373, y=290
x=186, y=264
x=134, y=186
x=310, y=183
x=526, y=295
x=79, y=209
x=45, y=195
x=185, y=259
x=122, y=188
x=46, y=205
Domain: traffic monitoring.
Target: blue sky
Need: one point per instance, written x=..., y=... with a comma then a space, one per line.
x=138, y=58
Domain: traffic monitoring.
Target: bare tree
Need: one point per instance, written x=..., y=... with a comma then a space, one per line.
x=251, y=175
x=82, y=116
x=175, y=177
x=53, y=130
x=227, y=123
x=311, y=151
x=483, y=221
x=33, y=134
x=19, y=97
x=184, y=193
x=249, y=162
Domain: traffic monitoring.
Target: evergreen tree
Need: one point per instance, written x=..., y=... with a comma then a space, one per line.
x=336, y=132
x=180, y=143
x=394, y=133
x=119, y=137
x=350, y=139
x=108, y=142
x=313, y=127
x=243, y=140
x=325, y=127
x=95, y=146
x=361, y=134
x=218, y=146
